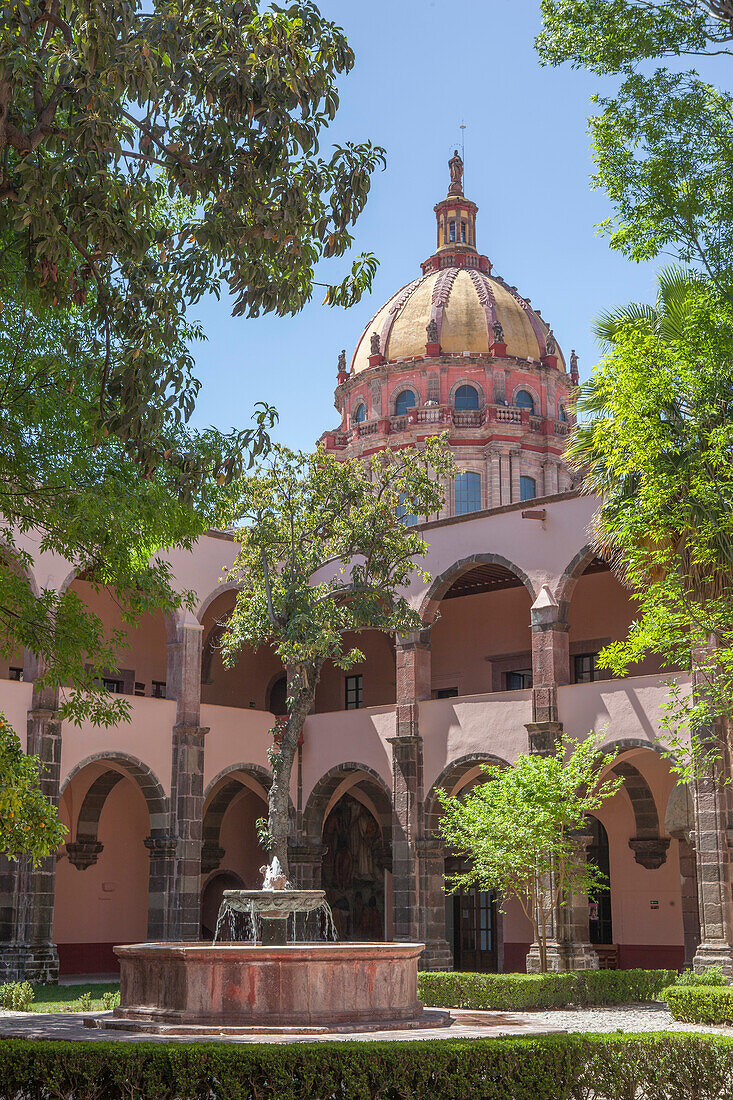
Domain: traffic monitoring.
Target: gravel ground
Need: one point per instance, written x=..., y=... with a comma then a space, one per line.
x=644, y=1017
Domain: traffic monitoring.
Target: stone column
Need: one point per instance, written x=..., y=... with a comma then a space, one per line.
x=493, y=485
x=306, y=863
x=506, y=476
x=413, y=684
x=187, y=784
x=690, y=913
x=438, y=954
x=27, y=950
x=575, y=926
x=550, y=668
x=712, y=806
x=515, y=458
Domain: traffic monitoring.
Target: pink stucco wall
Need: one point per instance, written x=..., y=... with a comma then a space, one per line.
x=473, y=629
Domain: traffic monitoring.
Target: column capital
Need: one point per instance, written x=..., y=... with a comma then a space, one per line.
x=83, y=853
x=650, y=852
x=416, y=639
x=163, y=845
x=543, y=737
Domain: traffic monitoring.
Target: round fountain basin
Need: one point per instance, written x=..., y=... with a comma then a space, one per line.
x=200, y=987
x=274, y=904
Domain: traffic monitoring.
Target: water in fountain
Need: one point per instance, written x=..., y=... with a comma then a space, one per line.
x=242, y=912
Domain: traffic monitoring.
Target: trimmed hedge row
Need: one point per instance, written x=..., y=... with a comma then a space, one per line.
x=519, y=992
x=562, y=1067
x=700, y=1004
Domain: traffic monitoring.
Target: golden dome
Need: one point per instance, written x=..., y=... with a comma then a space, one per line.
x=464, y=303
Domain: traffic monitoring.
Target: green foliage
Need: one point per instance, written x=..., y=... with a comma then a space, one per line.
x=28, y=821
x=99, y=997
x=518, y=831
x=17, y=996
x=323, y=555
x=700, y=1004
x=560, y=1067
x=654, y=443
x=209, y=113
x=110, y=1000
x=525, y=992
x=713, y=975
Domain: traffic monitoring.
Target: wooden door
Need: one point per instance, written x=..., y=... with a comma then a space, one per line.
x=475, y=931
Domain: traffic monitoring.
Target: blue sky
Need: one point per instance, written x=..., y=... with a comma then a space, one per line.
x=423, y=66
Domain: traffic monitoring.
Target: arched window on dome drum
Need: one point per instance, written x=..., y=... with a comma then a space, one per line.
x=562, y=415
x=359, y=415
x=467, y=493
x=465, y=397
x=463, y=232
x=404, y=402
x=527, y=488
x=452, y=228
x=525, y=400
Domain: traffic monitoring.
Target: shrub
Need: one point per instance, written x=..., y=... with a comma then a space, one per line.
x=521, y=992
x=110, y=1000
x=700, y=1004
x=712, y=976
x=16, y=995
x=556, y=1067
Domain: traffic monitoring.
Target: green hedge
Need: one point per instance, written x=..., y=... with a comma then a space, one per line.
x=563, y=1067
x=701, y=1004
x=519, y=992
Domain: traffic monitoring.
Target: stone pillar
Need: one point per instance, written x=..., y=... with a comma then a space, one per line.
x=161, y=876
x=550, y=668
x=27, y=950
x=506, y=476
x=493, y=486
x=515, y=457
x=413, y=684
x=187, y=785
x=690, y=912
x=712, y=808
x=575, y=925
x=438, y=954
x=306, y=863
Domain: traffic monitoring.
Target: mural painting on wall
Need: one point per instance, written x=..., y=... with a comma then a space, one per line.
x=353, y=871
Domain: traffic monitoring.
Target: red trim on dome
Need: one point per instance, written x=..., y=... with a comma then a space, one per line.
x=441, y=293
x=487, y=300
x=531, y=315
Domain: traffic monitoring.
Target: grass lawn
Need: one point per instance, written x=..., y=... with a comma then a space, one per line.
x=65, y=998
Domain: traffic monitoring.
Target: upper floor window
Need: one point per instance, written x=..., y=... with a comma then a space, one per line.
x=404, y=515
x=445, y=693
x=562, y=415
x=405, y=401
x=519, y=680
x=158, y=689
x=527, y=488
x=359, y=415
x=525, y=400
x=463, y=232
x=466, y=397
x=354, y=689
x=467, y=496
x=586, y=668
x=452, y=230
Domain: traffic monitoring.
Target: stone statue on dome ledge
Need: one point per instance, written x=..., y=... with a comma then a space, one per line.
x=573, y=362
x=550, y=343
x=499, y=333
x=376, y=350
x=342, y=362
x=432, y=330
x=455, y=166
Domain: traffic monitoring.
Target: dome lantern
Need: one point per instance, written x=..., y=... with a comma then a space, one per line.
x=456, y=227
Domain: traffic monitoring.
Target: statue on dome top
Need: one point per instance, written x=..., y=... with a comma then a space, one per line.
x=455, y=166
x=374, y=343
x=550, y=343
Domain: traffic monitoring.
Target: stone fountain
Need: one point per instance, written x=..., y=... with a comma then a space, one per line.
x=272, y=982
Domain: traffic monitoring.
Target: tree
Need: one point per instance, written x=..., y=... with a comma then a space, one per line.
x=654, y=441
x=323, y=555
x=28, y=821
x=663, y=145
x=519, y=830
x=106, y=110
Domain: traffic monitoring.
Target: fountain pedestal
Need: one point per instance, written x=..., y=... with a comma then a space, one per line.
x=238, y=987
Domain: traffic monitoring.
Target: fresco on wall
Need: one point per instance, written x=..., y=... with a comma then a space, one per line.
x=353, y=871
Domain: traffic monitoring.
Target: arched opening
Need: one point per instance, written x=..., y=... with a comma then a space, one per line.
x=246, y=683
x=102, y=873
x=466, y=398
x=211, y=899
x=482, y=642
x=142, y=664
x=360, y=414
x=277, y=700
x=524, y=400
x=349, y=812
x=231, y=847
x=600, y=919
x=404, y=401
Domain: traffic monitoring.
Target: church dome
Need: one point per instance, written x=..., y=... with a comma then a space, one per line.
x=465, y=304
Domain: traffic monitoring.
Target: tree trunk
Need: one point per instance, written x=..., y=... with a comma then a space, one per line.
x=302, y=683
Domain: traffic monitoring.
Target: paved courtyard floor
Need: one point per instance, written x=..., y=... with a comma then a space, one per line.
x=467, y=1025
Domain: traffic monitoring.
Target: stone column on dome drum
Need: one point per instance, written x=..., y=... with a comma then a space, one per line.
x=413, y=684
x=437, y=955
x=515, y=459
x=187, y=784
x=27, y=950
x=494, y=478
x=713, y=812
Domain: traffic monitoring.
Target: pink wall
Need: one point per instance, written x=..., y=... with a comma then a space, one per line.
x=620, y=709
x=601, y=610
x=472, y=629
x=108, y=902
x=247, y=683
x=15, y=700
x=238, y=838
x=377, y=671
x=360, y=736
x=235, y=737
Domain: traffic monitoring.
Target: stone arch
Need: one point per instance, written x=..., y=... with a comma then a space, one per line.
x=320, y=799
x=533, y=394
x=572, y=572
x=225, y=586
x=169, y=618
x=450, y=775
x=400, y=388
x=476, y=385
x=155, y=797
x=440, y=585
x=255, y=771
x=648, y=844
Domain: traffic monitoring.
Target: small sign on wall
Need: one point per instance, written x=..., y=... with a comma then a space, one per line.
x=653, y=904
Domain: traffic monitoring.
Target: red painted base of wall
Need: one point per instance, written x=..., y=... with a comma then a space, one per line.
x=515, y=956
x=87, y=958
x=631, y=956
